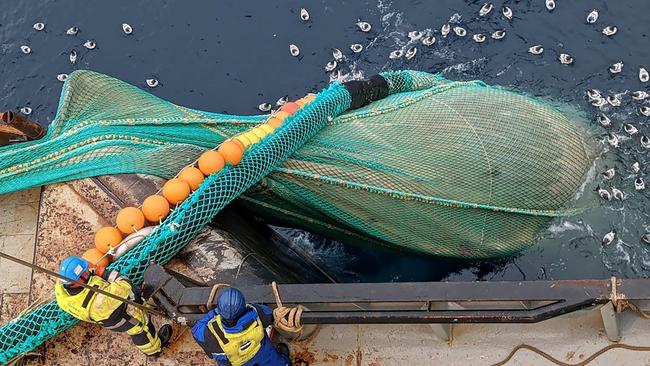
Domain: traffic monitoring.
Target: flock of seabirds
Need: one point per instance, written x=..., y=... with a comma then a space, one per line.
x=596, y=97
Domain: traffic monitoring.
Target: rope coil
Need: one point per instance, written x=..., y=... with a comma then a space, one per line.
x=286, y=319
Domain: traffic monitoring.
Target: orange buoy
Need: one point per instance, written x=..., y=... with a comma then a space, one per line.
x=252, y=137
x=106, y=238
x=192, y=176
x=156, y=208
x=290, y=107
x=211, y=162
x=239, y=143
x=231, y=152
x=130, y=219
x=176, y=190
x=301, y=102
x=274, y=122
x=266, y=128
x=244, y=140
x=281, y=115
x=94, y=258
x=257, y=131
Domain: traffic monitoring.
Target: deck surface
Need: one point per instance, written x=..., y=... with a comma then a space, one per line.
x=44, y=226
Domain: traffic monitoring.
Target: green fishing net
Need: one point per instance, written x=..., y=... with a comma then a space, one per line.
x=457, y=169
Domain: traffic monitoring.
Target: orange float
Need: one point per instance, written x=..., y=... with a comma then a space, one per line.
x=281, y=115
x=106, y=238
x=239, y=143
x=231, y=152
x=211, y=162
x=96, y=258
x=175, y=191
x=274, y=122
x=156, y=208
x=290, y=107
x=244, y=140
x=130, y=219
x=192, y=176
x=266, y=128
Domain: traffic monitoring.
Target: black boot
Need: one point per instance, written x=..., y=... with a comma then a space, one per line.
x=165, y=334
x=284, y=349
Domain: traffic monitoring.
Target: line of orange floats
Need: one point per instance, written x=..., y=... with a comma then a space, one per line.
x=155, y=208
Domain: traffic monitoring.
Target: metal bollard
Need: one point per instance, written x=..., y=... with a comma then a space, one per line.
x=16, y=128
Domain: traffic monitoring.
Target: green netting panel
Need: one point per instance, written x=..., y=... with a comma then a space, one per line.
x=459, y=169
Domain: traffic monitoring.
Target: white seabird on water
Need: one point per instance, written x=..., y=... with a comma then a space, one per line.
x=152, y=83
x=550, y=5
x=445, y=29
x=604, y=194
x=593, y=94
x=536, y=50
x=599, y=102
x=639, y=95
x=72, y=31
x=265, y=107
x=73, y=57
x=507, y=12
x=604, y=120
x=415, y=35
x=612, y=139
x=90, y=44
x=616, y=68
x=364, y=26
x=639, y=184
x=609, y=237
x=428, y=40
x=609, y=173
x=335, y=76
x=643, y=75
x=62, y=77
x=39, y=26
x=396, y=54
x=337, y=54
x=485, y=9
x=565, y=59
x=613, y=100
x=410, y=53
x=646, y=238
x=127, y=29
x=282, y=100
x=644, y=110
x=645, y=142
x=636, y=167
x=479, y=38
x=304, y=14
x=330, y=66
x=630, y=129
x=356, y=47
x=26, y=110
x=617, y=194
x=592, y=17
x=294, y=50
x=25, y=49
x=498, y=34
x=610, y=30
x=460, y=31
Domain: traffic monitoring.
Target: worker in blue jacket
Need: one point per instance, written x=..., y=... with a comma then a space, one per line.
x=234, y=333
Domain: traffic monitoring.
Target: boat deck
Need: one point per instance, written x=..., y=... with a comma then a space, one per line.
x=45, y=225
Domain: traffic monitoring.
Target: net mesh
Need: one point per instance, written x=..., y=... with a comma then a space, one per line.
x=458, y=169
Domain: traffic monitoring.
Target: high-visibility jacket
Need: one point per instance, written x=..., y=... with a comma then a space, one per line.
x=242, y=346
x=90, y=306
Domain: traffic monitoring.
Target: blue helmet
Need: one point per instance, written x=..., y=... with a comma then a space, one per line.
x=72, y=268
x=231, y=303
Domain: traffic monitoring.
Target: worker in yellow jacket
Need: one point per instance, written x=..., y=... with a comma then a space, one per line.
x=108, y=312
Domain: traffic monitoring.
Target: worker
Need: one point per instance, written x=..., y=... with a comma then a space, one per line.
x=235, y=333
x=108, y=312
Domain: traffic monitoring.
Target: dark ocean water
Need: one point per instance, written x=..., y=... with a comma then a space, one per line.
x=229, y=56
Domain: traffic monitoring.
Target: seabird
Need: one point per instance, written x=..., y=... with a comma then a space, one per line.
x=592, y=17
x=294, y=50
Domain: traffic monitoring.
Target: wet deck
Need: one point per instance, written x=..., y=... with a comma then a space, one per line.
x=44, y=226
